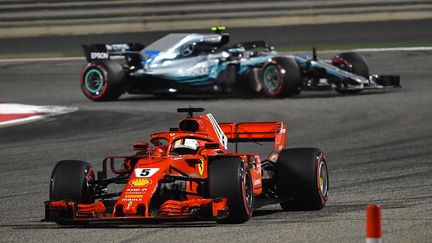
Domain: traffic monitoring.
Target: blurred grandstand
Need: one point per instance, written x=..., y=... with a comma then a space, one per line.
x=63, y=17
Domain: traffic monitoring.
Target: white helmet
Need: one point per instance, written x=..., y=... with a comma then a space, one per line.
x=189, y=143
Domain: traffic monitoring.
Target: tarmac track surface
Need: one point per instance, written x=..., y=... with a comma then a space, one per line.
x=378, y=147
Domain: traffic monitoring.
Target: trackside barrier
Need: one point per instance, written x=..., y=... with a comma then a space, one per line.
x=373, y=224
x=79, y=17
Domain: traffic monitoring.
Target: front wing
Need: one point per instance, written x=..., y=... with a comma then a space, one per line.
x=70, y=211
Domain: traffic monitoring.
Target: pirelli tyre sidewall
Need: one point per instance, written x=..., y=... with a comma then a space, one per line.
x=230, y=177
x=302, y=179
x=281, y=77
x=352, y=62
x=71, y=180
x=103, y=80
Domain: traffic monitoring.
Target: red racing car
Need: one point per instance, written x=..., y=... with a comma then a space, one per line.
x=188, y=173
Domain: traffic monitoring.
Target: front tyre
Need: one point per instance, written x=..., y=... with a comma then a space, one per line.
x=230, y=177
x=354, y=63
x=103, y=80
x=302, y=179
x=281, y=77
x=71, y=180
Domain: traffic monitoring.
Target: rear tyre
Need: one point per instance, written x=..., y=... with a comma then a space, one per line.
x=281, y=77
x=71, y=181
x=302, y=179
x=231, y=178
x=354, y=63
x=103, y=80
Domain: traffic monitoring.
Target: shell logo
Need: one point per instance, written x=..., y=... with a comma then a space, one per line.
x=140, y=182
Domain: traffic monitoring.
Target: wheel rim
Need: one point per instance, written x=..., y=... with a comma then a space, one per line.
x=272, y=78
x=94, y=81
x=323, y=179
x=247, y=182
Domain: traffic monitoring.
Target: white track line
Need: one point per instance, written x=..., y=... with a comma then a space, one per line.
x=420, y=48
x=25, y=109
x=21, y=121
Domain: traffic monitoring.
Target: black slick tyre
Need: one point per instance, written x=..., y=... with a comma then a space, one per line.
x=354, y=63
x=357, y=63
x=281, y=77
x=230, y=177
x=71, y=181
x=103, y=80
x=302, y=179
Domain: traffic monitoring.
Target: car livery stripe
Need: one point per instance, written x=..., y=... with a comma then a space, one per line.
x=221, y=135
x=191, y=80
x=246, y=64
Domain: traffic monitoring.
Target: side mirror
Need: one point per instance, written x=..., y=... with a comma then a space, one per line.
x=117, y=165
x=140, y=146
x=211, y=145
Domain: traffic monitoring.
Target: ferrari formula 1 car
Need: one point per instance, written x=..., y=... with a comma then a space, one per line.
x=188, y=173
x=204, y=63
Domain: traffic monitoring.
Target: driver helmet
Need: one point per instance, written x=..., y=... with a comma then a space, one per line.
x=186, y=143
x=159, y=150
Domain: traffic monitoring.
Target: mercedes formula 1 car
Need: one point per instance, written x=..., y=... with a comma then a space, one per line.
x=189, y=173
x=205, y=63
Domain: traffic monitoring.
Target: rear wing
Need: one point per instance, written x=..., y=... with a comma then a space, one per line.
x=105, y=51
x=256, y=132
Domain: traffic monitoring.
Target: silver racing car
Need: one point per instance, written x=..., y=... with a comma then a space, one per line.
x=191, y=63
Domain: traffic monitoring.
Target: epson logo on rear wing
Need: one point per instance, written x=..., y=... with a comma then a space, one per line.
x=99, y=55
x=95, y=52
x=106, y=51
x=101, y=52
